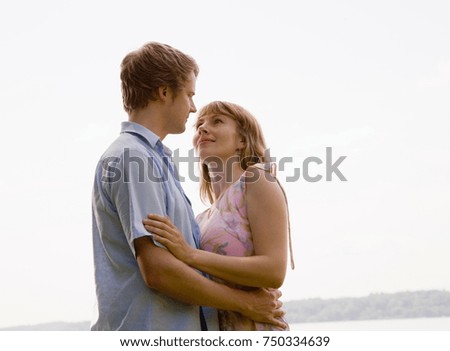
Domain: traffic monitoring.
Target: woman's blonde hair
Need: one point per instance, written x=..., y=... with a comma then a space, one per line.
x=251, y=133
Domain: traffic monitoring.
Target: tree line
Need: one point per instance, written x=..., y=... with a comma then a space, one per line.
x=416, y=304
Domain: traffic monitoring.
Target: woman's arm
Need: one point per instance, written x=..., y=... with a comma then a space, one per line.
x=267, y=214
x=163, y=272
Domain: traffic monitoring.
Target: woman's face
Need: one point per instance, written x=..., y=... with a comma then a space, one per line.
x=217, y=137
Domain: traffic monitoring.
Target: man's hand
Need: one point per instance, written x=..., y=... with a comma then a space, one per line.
x=263, y=305
x=163, y=272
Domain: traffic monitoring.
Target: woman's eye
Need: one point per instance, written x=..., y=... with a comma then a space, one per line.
x=217, y=121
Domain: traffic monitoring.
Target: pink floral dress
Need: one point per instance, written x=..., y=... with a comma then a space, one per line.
x=225, y=230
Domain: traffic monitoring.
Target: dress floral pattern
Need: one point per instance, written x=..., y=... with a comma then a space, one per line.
x=225, y=230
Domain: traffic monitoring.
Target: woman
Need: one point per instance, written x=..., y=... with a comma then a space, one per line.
x=244, y=233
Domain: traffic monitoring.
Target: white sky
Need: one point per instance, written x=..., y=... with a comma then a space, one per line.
x=371, y=80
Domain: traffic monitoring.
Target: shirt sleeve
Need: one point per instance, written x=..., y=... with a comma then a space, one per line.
x=136, y=191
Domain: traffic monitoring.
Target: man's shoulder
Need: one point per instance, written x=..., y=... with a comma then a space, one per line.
x=126, y=145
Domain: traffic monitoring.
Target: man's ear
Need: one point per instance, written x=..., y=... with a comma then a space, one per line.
x=163, y=93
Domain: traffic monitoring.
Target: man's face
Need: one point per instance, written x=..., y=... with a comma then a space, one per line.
x=181, y=106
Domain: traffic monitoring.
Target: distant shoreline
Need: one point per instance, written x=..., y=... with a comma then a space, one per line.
x=401, y=305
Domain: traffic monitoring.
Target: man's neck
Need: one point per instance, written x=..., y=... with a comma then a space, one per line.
x=149, y=118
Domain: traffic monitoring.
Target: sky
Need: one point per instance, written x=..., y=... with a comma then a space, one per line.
x=370, y=80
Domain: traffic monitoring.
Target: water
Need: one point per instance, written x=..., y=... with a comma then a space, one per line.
x=414, y=324
x=380, y=324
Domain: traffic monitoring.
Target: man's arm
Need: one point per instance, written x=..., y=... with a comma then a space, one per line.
x=163, y=272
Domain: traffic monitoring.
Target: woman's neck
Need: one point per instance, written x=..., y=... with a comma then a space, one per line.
x=223, y=175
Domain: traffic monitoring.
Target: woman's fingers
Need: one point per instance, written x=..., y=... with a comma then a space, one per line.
x=166, y=220
x=155, y=230
x=156, y=217
x=161, y=240
x=160, y=233
x=156, y=224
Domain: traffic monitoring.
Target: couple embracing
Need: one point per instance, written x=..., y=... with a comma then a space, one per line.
x=157, y=266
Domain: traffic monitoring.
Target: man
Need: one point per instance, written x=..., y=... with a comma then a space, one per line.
x=139, y=284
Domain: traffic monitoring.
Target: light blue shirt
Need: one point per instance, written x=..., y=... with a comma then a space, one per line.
x=135, y=177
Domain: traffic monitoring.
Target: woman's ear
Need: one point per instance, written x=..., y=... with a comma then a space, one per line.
x=243, y=142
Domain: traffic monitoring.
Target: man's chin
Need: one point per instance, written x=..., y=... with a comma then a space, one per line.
x=180, y=131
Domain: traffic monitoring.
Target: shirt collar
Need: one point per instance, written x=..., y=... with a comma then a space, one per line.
x=154, y=141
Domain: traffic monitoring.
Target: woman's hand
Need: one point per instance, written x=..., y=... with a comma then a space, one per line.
x=166, y=233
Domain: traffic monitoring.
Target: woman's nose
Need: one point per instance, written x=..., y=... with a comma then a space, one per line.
x=202, y=130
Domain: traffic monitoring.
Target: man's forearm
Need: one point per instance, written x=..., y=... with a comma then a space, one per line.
x=163, y=272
